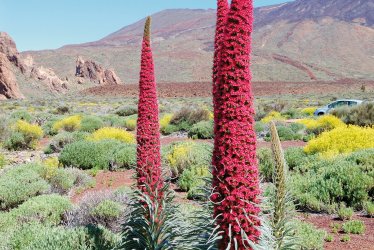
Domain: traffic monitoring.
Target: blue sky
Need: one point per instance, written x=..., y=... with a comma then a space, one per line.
x=50, y=24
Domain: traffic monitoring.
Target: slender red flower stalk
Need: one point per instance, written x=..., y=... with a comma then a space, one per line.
x=235, y=173
x=148, y=135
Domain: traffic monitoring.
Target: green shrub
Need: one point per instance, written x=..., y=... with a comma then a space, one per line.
x=98, y=154
x=335, y=227
x=259, y=127
x=361, y=115
x=329, y=238
x=186, y=117
x=61, y=110
x=130, y=122
x=345, y=238
x=192, y=179
x=309, y=236
x=19, y=184
x=327, y=182
x=21, y=115
x=39, y=237
x=124, y=156
x=127, y=111
x=354, y=227
x=15, y=141
x=201, y=130
x=169, y=129
x=91, y=123
x=266, y=164
x=181, y=155
x=345, y=213
x=369, y=209
x=62, y=139
x=24, y=135
x=46, y=209
x=295, y=157
x=107, y=209
x=2, y=161
x=113, y=121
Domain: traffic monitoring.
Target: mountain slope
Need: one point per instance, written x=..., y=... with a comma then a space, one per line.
x=298, y=41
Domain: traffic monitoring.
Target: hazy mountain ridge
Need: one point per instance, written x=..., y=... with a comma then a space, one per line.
x=297, y=41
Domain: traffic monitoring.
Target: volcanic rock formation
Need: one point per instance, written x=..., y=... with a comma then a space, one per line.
x=8, y=84
x=95, y=73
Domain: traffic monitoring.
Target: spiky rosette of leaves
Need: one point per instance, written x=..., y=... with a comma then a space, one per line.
x=235, y=172
x=282, y=202
x=149, y=227
x=148, y=136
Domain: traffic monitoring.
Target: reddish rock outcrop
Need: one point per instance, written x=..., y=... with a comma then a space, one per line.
x=94, y=72
x=49, y=78
x=9, y=48
x=8, y=84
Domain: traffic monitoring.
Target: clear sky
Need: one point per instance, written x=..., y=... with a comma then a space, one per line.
x=50, y=24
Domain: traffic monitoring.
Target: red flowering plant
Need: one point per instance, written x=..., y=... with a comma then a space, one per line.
x=235, y=171
x=148, y=135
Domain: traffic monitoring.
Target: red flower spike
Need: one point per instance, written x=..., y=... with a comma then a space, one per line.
x=148, y=136
x=235, y=173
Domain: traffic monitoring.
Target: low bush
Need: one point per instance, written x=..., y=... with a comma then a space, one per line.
x=165, y=121
x=354, y=227
x=326, y=182
x=369, y=209
x=2, y=161
x=201, y=130
x=322, y=124
x=345, y=238
x=61, y=110
x=260, y=127
x=295, y=158
x=21, y=115
x=362, y=115
x=127, y=111
x=69, y=124
x=329, y=238
x=345, y=213
x=102, y=208
x=107, y=210
x=46, y=209
x=24, y=135
x=130, y=122
x=342, y=140
x=309, y=236
x=186, y=117
x=266, y=164
x=181, y=155
x=273, y=116
x=19, y=184
x=98, y=154
x=309, y=111
x=62, y=139
x=91, y=123
x=112, y=133
x=192, y=180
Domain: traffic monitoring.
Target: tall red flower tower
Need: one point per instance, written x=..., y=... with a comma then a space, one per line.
x=235, y=172
x=148, y=135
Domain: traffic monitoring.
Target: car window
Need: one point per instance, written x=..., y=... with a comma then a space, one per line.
x=332, y=105
x=352, y=103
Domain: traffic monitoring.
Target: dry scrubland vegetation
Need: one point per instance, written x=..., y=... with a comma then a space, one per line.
x=54, y=151
x=54, y=148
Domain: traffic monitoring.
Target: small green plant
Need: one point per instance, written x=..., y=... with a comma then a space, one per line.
x=107, y=209
x=335, y=227
x=369, y=209
x=309, y=236
x=345, y=238
x=2, y=161
x=91, y=123
x=345, y=213
x=201, y=130
x=354, y=227
x=329, y=238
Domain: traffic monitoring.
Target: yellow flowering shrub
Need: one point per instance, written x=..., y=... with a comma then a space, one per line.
x=341, y=140
x=30, y=131
x=323, y=123
x=50, y=166
x=309, y=111
x=71, y=123
x=112, y=133
x=165, y=120
x=273, y=116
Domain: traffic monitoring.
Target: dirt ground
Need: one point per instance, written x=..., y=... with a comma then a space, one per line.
x=204, y=89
